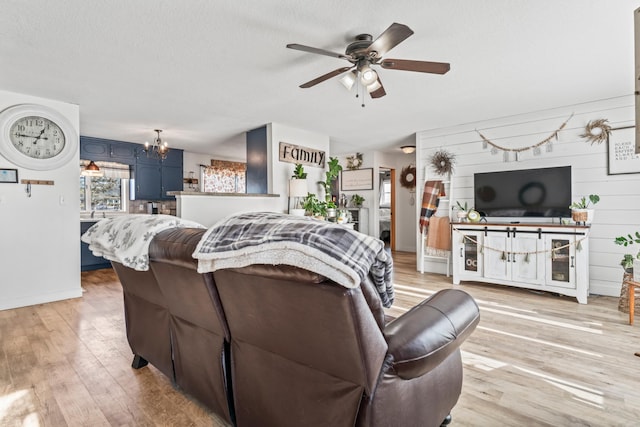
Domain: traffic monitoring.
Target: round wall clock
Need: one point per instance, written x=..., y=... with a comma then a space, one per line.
x=36, y=137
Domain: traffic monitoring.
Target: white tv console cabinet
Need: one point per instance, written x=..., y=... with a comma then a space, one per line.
x=546, y=257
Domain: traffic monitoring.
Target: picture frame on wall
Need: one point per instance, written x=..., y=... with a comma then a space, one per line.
x=621, y=146
x=356, y=179
x=9, y=176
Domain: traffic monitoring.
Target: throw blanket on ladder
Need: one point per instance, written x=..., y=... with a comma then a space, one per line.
x=433, y=190
x=126, y=238
x=336, y=252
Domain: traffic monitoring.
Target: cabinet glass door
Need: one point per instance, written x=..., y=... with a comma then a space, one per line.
x=562, y=262
x=471, y=261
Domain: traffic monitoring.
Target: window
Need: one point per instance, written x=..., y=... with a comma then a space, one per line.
x=224, y=177
x=385, y=193
x=105, y=193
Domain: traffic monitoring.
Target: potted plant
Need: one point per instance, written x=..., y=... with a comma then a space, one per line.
x=310, y=204
x=298, y=189
x=298, y=172
x=628, y=260
x=580, y=211
x=331, y=174
x=627, y=263
x=463, y=211
x=357, y=200
x=331, y=209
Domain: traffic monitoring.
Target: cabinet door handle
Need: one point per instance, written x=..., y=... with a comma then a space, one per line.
x=572, y=266
x=461, y=252
x=513, y=257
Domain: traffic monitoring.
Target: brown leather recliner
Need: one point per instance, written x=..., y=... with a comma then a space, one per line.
x=308, y=352
x=146, y=319
x=173, y=320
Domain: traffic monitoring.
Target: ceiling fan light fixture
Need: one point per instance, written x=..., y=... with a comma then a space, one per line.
x=367, y=75
x=408, y=149
x=349, y=79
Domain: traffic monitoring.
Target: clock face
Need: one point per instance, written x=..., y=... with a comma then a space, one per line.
x=37, y=137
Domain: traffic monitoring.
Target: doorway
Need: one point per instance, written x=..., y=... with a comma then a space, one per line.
x=386, y=207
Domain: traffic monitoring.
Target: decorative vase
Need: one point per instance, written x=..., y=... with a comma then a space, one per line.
x=584, y=216
x=461, y=215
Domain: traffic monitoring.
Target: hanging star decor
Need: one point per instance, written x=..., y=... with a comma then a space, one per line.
x=548, y=141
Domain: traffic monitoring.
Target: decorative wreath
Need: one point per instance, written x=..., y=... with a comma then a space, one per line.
x=354, y=162
x=443, y=162
x=597, y=131
x=408, y=177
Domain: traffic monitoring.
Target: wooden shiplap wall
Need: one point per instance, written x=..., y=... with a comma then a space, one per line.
x=616, y=214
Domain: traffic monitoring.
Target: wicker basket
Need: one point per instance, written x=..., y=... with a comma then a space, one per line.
x=623, y=302
x=579, y=216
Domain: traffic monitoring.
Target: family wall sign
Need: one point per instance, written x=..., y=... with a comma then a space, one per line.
x=306, y=156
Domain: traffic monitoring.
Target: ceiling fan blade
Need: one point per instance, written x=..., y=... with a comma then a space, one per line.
x=390, y=38
x=325, y=77
x=317, y=51
x=379, y=92
x=419, y=66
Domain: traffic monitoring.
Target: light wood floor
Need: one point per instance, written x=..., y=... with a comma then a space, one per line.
x=535, y=360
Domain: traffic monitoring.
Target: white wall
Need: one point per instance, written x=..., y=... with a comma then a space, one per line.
x=405, y=212
x=615, y=215
x=405, y=215
x=281, y=172
x=40, y=235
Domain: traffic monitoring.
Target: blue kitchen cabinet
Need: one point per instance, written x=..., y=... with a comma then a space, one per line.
x=106, y=150
x=88, y=261
x=154, y=177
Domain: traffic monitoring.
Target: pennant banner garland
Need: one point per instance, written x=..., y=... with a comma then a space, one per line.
x=536, y=148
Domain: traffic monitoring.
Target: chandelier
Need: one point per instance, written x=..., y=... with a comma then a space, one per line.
x=158, y=149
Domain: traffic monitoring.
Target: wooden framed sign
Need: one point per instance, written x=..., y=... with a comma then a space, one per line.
x=357, y=179
x=296, y=154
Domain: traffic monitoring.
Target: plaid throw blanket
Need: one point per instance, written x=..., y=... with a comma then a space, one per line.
x=433, y=190
x=336, y=252
x=126, y=238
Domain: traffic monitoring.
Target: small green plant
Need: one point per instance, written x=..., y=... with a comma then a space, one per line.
x=299, y=172
x=310, y=203
x=461, y=207
x=330, y=175
x=627, y=261
x=583, y=203
x=628, y=239
x=357, y=200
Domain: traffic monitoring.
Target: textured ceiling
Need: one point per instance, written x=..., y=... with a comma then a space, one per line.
x=207, y=71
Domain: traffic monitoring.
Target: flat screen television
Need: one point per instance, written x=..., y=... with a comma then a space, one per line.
x=543, y=192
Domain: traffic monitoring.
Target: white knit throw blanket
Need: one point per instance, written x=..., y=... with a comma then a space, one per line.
x=126, y=238
x=328, y=249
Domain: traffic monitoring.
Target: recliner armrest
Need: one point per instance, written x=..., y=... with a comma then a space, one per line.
x=423, y=337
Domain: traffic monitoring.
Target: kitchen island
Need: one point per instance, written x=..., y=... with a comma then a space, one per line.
x=209, y=208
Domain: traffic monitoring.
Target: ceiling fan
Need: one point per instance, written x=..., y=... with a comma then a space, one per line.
x=365, y=52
